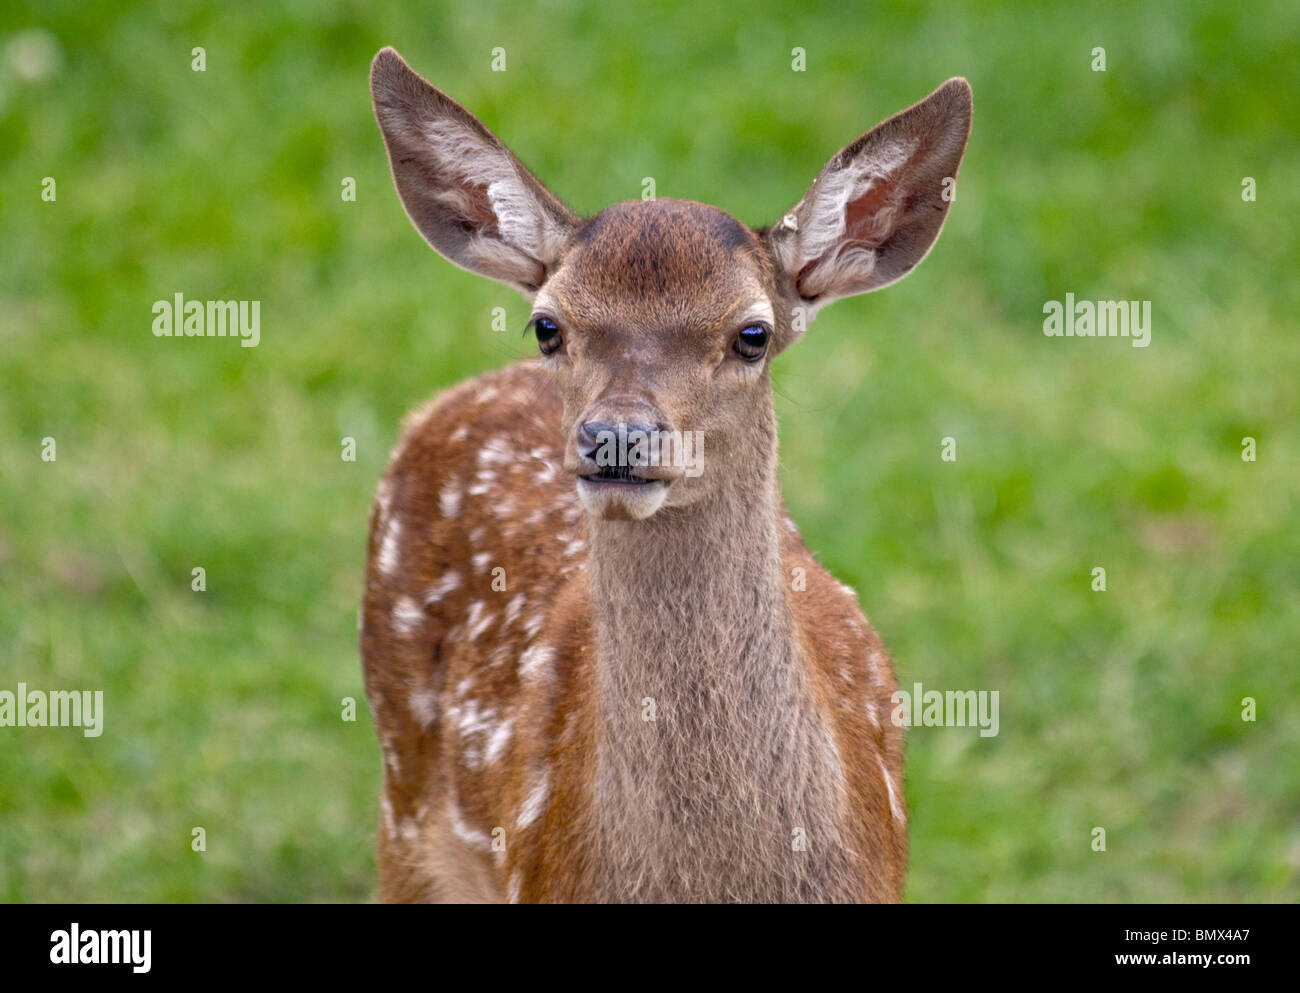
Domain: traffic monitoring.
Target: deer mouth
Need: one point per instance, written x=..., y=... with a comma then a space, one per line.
x=620, y=493
x=618, y=475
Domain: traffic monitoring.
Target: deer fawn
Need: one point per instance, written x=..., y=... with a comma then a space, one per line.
x=600, y=676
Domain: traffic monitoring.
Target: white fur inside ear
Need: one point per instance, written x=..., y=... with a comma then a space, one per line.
x=466, y=161
x=851, y=265
x=824, y=211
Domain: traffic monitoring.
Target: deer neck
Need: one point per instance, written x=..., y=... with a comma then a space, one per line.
x=693, y=596
x=710, y=752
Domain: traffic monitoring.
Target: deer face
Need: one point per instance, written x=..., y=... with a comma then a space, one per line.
x=658, y=327
x=659, y=319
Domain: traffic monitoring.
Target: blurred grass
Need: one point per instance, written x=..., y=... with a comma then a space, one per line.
x=1119, y=710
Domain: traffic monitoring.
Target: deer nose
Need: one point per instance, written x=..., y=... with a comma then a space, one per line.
x=619, y=441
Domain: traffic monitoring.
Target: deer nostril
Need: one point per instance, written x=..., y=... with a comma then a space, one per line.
x=591, y=435
x=621, y=445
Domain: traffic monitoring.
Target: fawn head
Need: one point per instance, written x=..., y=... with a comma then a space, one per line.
x=659, y=319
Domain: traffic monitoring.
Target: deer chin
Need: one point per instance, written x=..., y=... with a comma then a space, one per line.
x=620, y=500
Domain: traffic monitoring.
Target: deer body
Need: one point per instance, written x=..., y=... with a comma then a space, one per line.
x=627, y=684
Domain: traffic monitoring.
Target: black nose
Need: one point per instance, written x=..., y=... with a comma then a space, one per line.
x=621, y=445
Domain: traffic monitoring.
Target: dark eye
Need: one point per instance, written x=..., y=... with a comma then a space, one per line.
x=548, y=335
x=751, y=343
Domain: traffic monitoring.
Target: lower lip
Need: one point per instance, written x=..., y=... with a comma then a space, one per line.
x=622, y=500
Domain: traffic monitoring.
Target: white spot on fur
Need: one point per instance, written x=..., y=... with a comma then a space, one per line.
x=470, y=835
x=545, y=469
x=390, y=549
x=408, y=617
x=536, y=662
x=478, y=621
x=474, y=725
x=490, y=454
x=516, y=885
x=513, y=608
x=449, y=500
x=423, y=703
x=504, y=508
x=485, y=481
x=535, y=802
x=481, y=561
x=497, y=742
x=471, y=721
x=449, y=581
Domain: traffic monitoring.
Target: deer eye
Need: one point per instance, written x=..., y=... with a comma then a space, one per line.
x=751, y=343
x=548, y=335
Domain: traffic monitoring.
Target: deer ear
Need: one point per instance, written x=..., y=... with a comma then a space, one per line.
x=462, y=188
x=877, y=207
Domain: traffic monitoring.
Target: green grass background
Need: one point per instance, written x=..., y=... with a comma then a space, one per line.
x=1118, y=709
